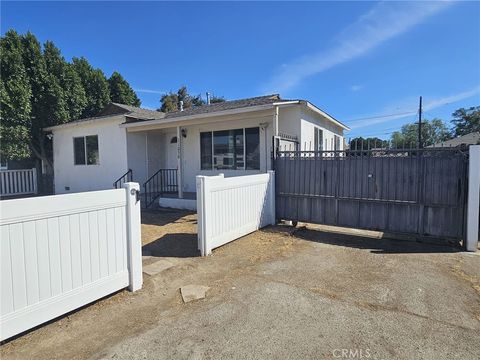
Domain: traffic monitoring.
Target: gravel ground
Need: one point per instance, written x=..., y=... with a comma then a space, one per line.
x=275, y=294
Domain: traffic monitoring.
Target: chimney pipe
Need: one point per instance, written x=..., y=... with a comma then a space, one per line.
x=208, y=98
x=180, y=105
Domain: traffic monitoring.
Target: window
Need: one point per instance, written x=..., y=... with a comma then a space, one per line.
x=206, y=150
x=86, y=150
x=252, y=145
x=337, y=142
x=236, y=149
x=3, y=164
x=318, y=139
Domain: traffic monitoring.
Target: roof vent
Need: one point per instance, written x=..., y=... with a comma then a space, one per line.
x=180, y=105
x=208, y=98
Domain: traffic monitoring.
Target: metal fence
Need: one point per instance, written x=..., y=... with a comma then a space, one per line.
x=163, y=181
x=416, y=191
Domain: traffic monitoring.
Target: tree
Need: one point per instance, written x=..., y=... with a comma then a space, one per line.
x=217, y=99
x=466, y=121
x=15, y=99
x=121, y=91
x=95, y=84
x=39, y=88
x=169, y=102
x=360, y=143
x=433, y=131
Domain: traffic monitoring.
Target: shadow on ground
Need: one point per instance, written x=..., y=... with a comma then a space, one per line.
x=375, y=245
x=163, y=217
x=173, y=245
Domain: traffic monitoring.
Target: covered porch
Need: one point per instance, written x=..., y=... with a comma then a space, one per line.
x=166, y=156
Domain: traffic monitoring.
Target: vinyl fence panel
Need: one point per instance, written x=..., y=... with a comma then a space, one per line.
x=61, y=252
x=229, y=208
x=18, y=182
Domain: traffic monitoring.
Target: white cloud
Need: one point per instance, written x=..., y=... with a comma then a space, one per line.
x=411, y=104
x=383, y=22
x=149, y=91
x=355, y=88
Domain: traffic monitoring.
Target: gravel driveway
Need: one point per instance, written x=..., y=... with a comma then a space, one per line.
x=278, y=294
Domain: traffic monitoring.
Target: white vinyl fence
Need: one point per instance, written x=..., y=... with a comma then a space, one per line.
x=229, y=208
x=18, y=182
x=61, y=252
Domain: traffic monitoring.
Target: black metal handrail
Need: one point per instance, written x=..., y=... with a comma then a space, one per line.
x=127, y=177
x=163, y=181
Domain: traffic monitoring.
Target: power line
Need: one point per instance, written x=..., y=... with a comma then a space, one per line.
x=413, y=112
x=382, y=116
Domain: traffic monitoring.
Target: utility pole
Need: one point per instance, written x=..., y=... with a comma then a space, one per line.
x=420, y=145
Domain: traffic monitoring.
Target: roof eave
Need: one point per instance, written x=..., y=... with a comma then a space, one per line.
x=80, y=122
x=196, y=116
x=328, y=116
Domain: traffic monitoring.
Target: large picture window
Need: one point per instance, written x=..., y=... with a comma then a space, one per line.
x=237, y=149
x=85, y=150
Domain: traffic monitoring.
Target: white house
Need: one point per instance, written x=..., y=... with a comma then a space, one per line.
x=165, y=151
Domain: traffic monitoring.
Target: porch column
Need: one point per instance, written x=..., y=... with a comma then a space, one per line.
x=179, y=162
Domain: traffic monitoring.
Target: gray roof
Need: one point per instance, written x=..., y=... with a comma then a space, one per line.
x=226, y=105
x=469, y=139
x=132, y=111
x=136, y=114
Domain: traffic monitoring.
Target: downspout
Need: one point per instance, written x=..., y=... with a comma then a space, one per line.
x=146, y=155
x=275, y=136
x=179, y=163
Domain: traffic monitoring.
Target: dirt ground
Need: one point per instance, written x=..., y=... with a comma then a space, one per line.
x=278, y=293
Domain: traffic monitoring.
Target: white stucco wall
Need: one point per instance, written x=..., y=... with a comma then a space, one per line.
x=191, y=147
x=310, y=120
x=112, y=149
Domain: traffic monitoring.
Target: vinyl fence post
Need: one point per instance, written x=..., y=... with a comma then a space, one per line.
x=271, y=194
x=134, y=236
x=473, y=201
x=201, y=215
x=35, y=181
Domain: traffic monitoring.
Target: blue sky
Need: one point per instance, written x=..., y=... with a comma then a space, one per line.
x=359, y=61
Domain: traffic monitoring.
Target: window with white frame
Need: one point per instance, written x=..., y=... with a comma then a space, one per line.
x=236, y=149
x=318, y=139
x=337, y=142
x=85, y=150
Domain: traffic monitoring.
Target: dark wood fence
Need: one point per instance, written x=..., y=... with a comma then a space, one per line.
x=419, y=192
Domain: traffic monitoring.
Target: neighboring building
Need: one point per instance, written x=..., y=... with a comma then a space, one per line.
x=234, y=137
x=469, y=139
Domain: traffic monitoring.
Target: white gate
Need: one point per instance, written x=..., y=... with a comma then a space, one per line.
x=61, y=252
x=18, y=182
x=229, y=208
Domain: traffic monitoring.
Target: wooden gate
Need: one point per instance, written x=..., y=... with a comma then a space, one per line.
x=420, y=192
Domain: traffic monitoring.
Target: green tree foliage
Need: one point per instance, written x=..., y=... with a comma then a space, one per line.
x=121, y=92
x=466, y=121
x=369, y=143
x=15, y=99
x=433, y=131
x=39, y=88
x=95, y=84
x=169, y=102
x=216, y=99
